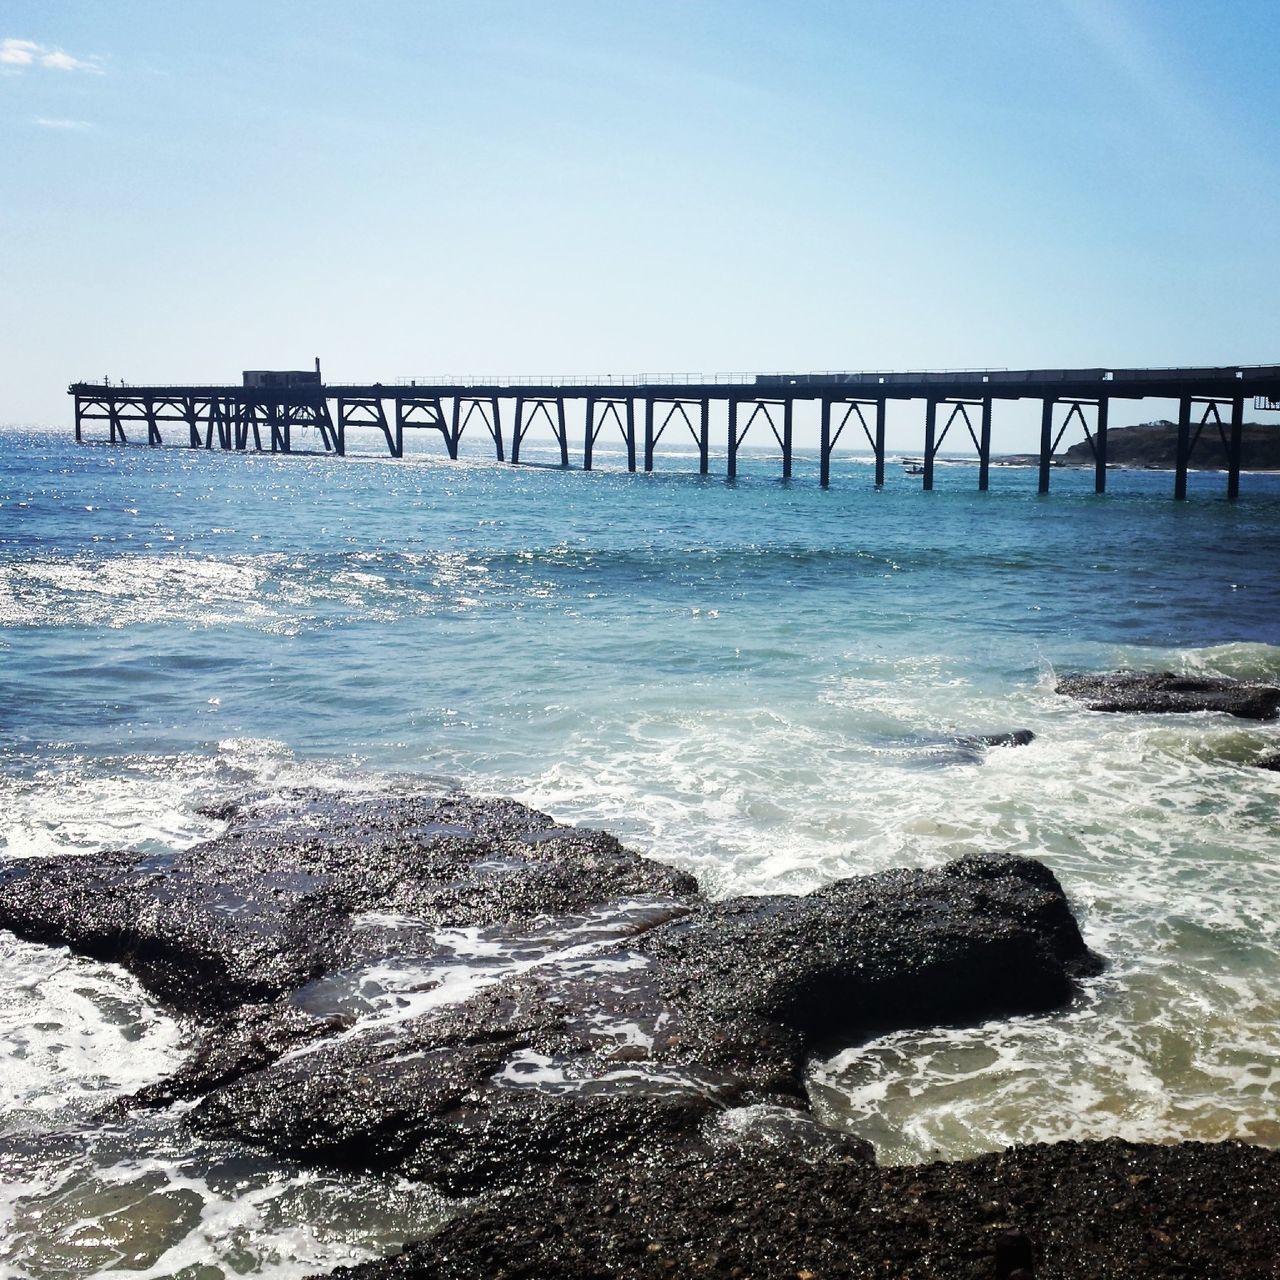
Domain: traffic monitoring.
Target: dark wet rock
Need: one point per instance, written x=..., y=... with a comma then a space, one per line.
x=275, y=900
x=1163, y=691
x=1271, y=762
x=1071, y=1211
x=959, y=749
x=468, y=994
x=1014, y=738
x=219, y=812
x=631, y=1048
x=234, y=1045
x=980, y=937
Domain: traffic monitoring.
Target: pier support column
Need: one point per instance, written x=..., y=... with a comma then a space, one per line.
x=193, y=423
x=153, y=427
x=1046, y=444
x=631, y=433
x=276, y=428
x=824, y=445
x=517, y=432
x=324, y=423
x=1235, y=449
x=648, y=433
x=114, y=425
x=450, y=432
x=398, y=450
x=455, y=428
x=732, y=470
x=1184, y=448
x=561, y=431
x=788, y=409
x=930, y=440
x=217, y=423
x=1100, y=448
x=879, y=444
x=704, y=438
x=79, y=411
x=589, y=440
x=984, y=447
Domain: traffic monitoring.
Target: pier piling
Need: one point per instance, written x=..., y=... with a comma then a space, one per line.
x=984, y=448
x=930, y=440
x=1100, y=449
x=878, y=443
x=1046, y=443
x=1184, y=448
x=1234, y=449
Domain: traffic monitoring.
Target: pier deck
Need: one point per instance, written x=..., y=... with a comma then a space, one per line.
x=642, y=409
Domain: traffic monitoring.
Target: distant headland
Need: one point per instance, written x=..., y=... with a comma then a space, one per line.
x=1155, y=444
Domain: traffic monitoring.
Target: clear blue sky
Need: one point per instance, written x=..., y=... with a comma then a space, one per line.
x=473, y=187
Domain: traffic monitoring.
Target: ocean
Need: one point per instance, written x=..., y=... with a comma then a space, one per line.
x=763, y=683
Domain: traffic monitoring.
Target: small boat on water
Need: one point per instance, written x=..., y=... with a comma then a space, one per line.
x=914, y=469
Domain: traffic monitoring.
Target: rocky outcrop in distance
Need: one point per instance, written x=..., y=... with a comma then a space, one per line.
x=1155, y=444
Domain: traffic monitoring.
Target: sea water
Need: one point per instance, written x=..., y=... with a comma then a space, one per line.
x=760, y=682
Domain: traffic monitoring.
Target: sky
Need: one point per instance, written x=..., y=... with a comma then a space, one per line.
x=464, y=188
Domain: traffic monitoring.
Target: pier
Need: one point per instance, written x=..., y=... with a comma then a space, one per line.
x=263, y=413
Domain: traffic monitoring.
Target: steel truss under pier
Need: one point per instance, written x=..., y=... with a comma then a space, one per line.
x=266, y=419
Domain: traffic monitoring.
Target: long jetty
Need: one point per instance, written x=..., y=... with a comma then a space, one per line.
x=263, y=413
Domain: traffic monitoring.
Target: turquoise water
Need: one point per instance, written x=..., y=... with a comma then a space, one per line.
x=756, y=681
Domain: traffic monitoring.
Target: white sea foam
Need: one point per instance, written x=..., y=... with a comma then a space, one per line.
x=151, y=803
x=528, y=1069
x=459, y=962
x=144, y=1200
x=1162, y=831
x=72, y=1033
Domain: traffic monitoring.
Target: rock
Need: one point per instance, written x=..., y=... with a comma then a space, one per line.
x=1198, y=1209
x=1015, y=738
x=980, y=937
x=959, y=749
x=1014, y=1256
x=1271, y=762
x=1165, y=692
x=285, y=894
x=464, y=993
x=629, y=1049
x=1155, y=444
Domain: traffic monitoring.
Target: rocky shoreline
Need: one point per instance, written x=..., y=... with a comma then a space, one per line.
x=472, y=996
